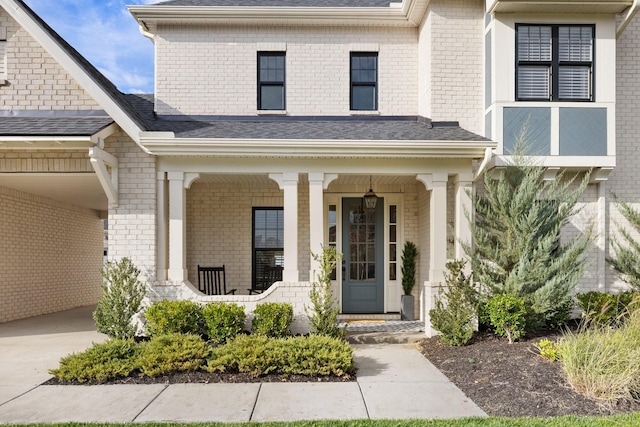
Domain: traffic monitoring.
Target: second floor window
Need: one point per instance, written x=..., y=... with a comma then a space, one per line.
x=271, y=81
x=364, y=81
x=554, y=62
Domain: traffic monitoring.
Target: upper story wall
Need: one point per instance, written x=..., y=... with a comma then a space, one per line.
x=34, y=80
x=451, y=57
x=212, y=70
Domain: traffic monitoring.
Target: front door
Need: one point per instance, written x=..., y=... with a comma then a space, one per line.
x=363, y=273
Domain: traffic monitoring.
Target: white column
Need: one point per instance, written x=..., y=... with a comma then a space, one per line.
x=288, y=182
x=463, y=186
x=437, y=184
x=318, y=182
x=161, y=224
x=177, y=227
x=601, y=236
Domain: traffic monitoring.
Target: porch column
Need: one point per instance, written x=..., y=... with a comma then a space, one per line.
x=161, y=180
x=318, y=182
x=177, y=227
x=463, y=186
x=437, y=184
x=288, y=182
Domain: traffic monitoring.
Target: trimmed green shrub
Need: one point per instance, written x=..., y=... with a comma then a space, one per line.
x=223, y=320
x=258, y=355
x=121, y=299
x=507, y=314
x=175, y=317
x=272, y=319
x=102, y=362
x=409, y=256
x=605, y=309
x=456, y=306
x=323, y=312
x=173, y=353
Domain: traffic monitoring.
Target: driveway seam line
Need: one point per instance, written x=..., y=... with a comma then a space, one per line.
x=20, y=395
x=364, y=401
x=255, y=402
x=150, y=402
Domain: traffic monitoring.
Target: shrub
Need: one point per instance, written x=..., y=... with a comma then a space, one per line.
x=456, y=306
x=272, y=319
x=409, y=256
x=175, y=317
x=102, y=362
x=606, y=309
x=626, y=247
x=602, y=362
x=314, y=356
x=507, y=314
x=223, y=320
x=323, y=313
x=173, y=353
x=549, y=349
x=122, y=295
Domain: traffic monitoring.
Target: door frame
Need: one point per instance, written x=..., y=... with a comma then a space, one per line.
x=392, y=288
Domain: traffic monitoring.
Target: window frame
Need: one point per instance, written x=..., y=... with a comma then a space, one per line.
x=254, y=249
x=353, y=84
x=555, y=65
x=272, y=83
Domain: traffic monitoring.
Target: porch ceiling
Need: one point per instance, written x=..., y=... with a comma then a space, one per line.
x=80, y=189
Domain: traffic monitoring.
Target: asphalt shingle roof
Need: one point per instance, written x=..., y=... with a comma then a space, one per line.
x=52, y=126
x=317, y=128
x=282, y=3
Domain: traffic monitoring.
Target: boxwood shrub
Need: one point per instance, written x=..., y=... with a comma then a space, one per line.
x=175, y=317
x=223, y=320
x=272, y=319
x=173, y=353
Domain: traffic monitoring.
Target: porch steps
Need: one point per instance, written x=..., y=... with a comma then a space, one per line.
x=381, y=329
x=366, y=317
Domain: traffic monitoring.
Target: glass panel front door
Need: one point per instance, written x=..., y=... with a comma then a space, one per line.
x=363, y=263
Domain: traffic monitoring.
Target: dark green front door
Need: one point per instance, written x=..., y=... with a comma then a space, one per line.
x=363, y=274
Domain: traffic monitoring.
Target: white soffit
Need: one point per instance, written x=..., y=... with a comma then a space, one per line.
x=556, y=6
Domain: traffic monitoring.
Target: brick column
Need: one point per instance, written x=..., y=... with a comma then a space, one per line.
x=177, y=227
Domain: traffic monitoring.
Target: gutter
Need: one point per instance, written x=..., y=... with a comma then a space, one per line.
x=631, y=12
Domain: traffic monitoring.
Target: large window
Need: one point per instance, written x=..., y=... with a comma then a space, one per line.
x=555, y=62
x=268, y=243
x=364, y=81
x=271, y=80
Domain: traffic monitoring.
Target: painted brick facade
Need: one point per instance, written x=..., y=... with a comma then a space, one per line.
x=50, y=255
x=36, y=80
x=213, y=71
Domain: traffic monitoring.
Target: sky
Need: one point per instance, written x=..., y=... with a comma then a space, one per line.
x=105, y=33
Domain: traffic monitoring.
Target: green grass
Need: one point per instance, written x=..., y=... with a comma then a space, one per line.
x=570, y=421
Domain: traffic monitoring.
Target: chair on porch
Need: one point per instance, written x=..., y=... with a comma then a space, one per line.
x=213, y=281
x=270, y=275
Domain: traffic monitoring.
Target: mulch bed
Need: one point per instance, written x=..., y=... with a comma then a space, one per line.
x=512, y=380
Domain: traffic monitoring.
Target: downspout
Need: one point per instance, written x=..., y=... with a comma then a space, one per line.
x=631, y=12
x=145, y=32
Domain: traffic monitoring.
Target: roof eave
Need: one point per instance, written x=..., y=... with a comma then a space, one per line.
x=296, y=148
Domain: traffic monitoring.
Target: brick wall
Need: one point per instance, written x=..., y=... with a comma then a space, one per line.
x=206, y=70
x=132, y=225
x=35, y=80
x=50, y=255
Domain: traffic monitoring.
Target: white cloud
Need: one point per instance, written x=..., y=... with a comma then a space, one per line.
x=107, y=35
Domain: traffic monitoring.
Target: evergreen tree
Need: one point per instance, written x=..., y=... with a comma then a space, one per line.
x=516, y=238
x=627, y=250
x=323, y=312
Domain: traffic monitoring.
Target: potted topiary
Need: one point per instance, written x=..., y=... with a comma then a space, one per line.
x=409, y=257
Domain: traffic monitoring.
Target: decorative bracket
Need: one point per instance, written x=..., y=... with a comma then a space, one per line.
x=101, y=161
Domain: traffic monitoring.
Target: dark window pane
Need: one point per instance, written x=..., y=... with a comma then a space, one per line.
x=392, y=271
x=272, y=98
x=392, y=253
x=392, y=214
x=392, y=233
x=363, y=98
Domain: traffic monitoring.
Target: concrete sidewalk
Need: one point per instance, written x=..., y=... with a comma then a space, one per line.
x=394, y=381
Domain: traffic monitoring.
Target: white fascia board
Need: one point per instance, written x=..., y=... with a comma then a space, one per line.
x=54, y=142
x=74, y=69
x=316, y=148
x=568, y=162
x=395, y=14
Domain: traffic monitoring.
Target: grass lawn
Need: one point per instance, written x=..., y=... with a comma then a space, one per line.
x=618, y=421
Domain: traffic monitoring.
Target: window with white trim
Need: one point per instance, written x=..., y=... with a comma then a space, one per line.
x=271, y=83
x=554, y=62
x=364, y=80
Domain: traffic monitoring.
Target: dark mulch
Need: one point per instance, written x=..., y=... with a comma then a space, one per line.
x=512, y=380
x=202, y=377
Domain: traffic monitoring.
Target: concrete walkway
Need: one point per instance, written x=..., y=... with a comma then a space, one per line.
x=394, y=381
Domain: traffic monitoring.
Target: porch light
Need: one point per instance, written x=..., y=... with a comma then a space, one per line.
x=370, y=198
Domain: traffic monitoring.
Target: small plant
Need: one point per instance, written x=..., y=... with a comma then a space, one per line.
x=121, y=299
x=507, y=314
x=456, y=306
x=272, y=319
x=173, y=353
x=258, y=355
x=409, y=257
x=175, y=317
x=224, y=321
x=548, y=349
x=323, y=313
x=102, y=362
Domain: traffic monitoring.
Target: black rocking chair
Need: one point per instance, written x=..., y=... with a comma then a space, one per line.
x=270, y=275
x=213, y=281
